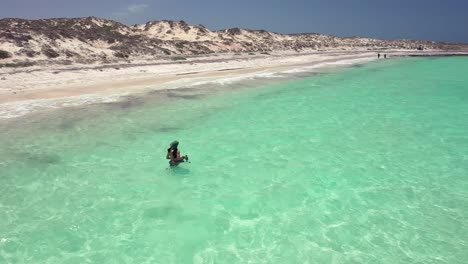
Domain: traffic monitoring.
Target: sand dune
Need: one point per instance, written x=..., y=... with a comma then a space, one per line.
x=63, y=62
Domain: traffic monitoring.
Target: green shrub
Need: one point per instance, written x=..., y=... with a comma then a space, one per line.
x=5, y=54
x=179, y=58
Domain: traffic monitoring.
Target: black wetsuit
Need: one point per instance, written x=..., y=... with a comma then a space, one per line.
x=174, y=156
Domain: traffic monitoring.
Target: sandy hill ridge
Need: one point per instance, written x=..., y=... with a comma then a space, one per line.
x=91, y=39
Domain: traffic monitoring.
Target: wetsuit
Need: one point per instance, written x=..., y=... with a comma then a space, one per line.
x=174, y=156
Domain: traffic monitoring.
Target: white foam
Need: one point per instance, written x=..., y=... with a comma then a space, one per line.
x=322, y=65
x=18, y=109
x=236, y=79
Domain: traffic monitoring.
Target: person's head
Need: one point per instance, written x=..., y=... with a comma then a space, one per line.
x=174, y=144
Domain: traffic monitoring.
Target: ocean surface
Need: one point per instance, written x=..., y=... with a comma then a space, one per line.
x=365, y=164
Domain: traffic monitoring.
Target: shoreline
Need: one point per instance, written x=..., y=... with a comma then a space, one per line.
x=34, y=89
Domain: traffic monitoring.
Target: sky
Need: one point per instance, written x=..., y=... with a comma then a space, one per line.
x=438, y=20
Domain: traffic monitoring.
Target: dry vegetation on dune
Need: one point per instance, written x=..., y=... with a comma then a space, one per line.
x=91, y=39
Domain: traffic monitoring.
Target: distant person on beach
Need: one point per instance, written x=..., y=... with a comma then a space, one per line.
x=385, y=56
x=378, y=55
x=173, y=154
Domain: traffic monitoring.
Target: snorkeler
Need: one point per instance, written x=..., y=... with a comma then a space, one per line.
x=174, y=154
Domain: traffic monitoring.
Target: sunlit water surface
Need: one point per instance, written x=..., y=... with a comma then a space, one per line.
x=363, y=165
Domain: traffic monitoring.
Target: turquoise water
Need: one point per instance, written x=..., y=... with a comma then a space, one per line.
x=363, y=165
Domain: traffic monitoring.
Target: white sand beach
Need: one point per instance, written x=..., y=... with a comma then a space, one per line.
x=29, y=89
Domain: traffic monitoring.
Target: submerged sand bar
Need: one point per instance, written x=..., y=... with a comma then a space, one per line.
x=24, y=90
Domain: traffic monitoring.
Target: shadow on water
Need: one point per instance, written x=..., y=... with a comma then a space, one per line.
x=151, y=128
x=128, y=102
x=160, y=212
x=178, y=171
x=301, y=75
x=66, y=125
x=184, y=93
x=41, y=158
x=182, y=89
x=161, y=93
x=185, y=96
x=167, y=129
x=105, y=144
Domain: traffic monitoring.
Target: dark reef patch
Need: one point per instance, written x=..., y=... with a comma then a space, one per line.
x=184, y=96
x=128, y=102
x=39, y=158
x=161, y=212
x=167, y=129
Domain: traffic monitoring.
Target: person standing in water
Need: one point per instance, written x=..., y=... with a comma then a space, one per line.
x=173, y=154
x=378, y=55
x=385, y=56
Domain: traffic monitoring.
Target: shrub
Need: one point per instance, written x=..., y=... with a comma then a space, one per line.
x=70, y=54
x=5, y=54
x=167, y=52
x=120, y=54
x=17, y=65
x=50, y=53
x=27, y=51
x=179, y=58
x=67, y=62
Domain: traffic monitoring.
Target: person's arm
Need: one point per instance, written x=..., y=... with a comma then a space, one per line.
x=178, y=157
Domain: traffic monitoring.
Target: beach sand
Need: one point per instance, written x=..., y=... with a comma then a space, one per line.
x=30, y=89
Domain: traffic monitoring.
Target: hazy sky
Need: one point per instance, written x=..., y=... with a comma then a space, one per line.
x=440, y=20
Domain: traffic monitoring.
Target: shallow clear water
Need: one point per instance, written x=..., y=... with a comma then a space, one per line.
x=364, y=165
